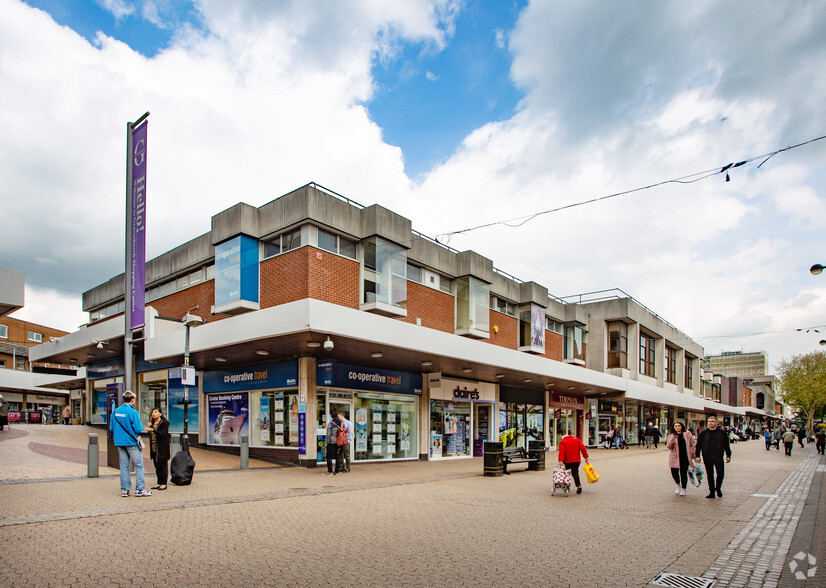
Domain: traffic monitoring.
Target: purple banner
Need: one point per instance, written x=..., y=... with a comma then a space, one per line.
x=137, y=256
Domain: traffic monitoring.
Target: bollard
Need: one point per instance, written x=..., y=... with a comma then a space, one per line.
x=493, y=459
x=92, y=457
x=174, y=443
x=245, y=452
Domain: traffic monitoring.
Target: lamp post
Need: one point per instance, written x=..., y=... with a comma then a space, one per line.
x=816, y=269
x=187, y=374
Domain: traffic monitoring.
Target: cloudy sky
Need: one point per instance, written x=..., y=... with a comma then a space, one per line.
x=454, y=113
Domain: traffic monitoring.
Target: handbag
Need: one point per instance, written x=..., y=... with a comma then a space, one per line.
x=590, y=473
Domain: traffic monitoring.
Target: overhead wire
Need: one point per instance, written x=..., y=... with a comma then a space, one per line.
x=688, y=179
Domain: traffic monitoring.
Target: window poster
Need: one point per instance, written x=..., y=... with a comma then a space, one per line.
x=377, y=444
x=391, y=449
x=361, y=429
x=264, y=418
x=377, y=417
x=279, y=440
x=391, y=439
x=435, y=444
x=377, y=427
x=391, y=426
x=228, y=415
x=279, y=428
x=405, y=432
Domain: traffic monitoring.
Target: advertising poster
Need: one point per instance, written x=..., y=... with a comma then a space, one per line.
x=537, y=328
x=361, y=429
x=435, y=444
x=264, y=418
x=377, y=415
x=228, y=414
x=175, y=394
x=405, y=432
x=376, y=444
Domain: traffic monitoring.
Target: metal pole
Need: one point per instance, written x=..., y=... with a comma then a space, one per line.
x=175, y=443
x=127, y=316
x=92, y=457
x=245, y=452
x=185, y=437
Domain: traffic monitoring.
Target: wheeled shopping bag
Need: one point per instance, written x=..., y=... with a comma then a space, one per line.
x=562, y=480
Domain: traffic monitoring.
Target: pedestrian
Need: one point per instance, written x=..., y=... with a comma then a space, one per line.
x=801, y=434
x=333, y=450
x=821, y=440
x=4, y=413
x=159, y=451
x=776, y=434
x=681, y=445
x=712, y=447
x=67, y=414
x=767, y=435
x=656, y=437
x=642, y=436
x=649, y=435
x=570, y=448
x=788, y=441
x=617, y=437
x=345, y=449
x=126, y=428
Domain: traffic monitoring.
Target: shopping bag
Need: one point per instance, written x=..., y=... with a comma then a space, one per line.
x=692, y=477
x=561, y=476
x=698, y=474
x=590, y=473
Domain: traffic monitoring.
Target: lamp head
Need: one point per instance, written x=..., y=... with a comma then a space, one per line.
x=816, y=269
x=192, y=320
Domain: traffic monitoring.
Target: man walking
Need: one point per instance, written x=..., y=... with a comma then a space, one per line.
x=126, y=427
x=788, y=441
x=821, y=441
x=333, y=449
x=713, y=446
x=345, y=449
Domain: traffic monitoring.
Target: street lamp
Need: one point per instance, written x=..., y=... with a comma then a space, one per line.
x=816, y=269
x=188, y=374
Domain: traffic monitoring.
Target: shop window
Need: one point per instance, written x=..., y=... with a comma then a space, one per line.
x=4, y=332
x=153, y=394
x=450, y=429
x=36, y=337
x=2, y=363
x=574, y=345
x=520, y=423
x=688, y=372
x=617, y=345
x=647, y=355
x=274, y=418
x=385, y=277
x=472, y=315
x=385, y=427
x=670, y=365
x=336, y=244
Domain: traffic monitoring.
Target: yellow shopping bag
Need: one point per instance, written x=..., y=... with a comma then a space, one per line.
x=590, y=473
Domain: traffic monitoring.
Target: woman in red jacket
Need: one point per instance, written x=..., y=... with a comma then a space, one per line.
x=569, y=449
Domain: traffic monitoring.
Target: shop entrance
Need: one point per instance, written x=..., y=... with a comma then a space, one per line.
x=606, y=425
x=346, y=408
x=481, y=428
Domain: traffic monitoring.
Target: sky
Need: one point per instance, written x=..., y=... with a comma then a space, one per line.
x=454, y=113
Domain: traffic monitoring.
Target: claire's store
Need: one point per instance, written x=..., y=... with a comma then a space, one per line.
x=383, y=406
x=259, y=401
x=461, y=417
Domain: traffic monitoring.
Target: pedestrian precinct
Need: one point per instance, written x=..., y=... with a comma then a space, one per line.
x=333, y=450
x=821, y=440
x=159, y=450
x=681, y=445
x=801, y=434
x=570, y=449
x=712, y=447
x=788, y=441
x=126, y=428
x=345, y=449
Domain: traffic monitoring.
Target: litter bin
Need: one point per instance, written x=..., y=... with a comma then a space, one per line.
x=493, y=458
x=536, y=450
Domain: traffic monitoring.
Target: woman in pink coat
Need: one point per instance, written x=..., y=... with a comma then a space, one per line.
x=681, y=445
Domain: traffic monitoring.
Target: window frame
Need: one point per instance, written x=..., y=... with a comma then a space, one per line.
x=4, y=332
x=617, y=358
x=671, y=364
x=648, y=358
x=688, y=372
x=34, y=337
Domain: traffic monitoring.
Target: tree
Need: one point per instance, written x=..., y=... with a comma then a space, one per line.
x=803, y=383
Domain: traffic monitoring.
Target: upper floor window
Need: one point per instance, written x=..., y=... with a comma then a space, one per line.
x=501, y=305
x=2, y=363
x=760, y=400
x=688, y=372
x=385, y=275
x=283, y=243
x=574, y=344
x=617, y=344
x=414, y=273
x=670, y=365
x=36, y=337
x=4, y=332
x=647, y=355
x=472, y=314
x=554, y=326
x=336, y=244
x=21, y=364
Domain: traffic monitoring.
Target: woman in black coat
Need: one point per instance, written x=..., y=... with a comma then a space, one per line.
x=158, y=430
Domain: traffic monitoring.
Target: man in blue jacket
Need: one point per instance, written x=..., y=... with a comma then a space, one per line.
x=126, y=427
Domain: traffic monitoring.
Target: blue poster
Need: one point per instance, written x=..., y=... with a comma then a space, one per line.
x=176, y=403
x=228, y=418
x=302, y=428
x=236, y=270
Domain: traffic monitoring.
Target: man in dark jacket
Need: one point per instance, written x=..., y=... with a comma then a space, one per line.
x=713, y=446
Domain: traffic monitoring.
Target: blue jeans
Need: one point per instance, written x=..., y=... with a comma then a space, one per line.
x=134, y=455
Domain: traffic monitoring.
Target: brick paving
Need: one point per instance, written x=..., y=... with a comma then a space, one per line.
x=397, y=524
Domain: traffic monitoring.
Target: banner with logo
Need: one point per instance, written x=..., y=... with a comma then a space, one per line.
x=137, y=222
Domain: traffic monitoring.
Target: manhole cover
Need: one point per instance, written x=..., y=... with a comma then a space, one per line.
x=680, y=581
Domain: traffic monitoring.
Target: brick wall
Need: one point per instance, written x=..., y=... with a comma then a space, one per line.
x=554, y=343
x=508, y=335
x=434, y=307
x=176, y=305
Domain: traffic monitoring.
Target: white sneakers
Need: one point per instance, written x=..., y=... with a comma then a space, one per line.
x=682, y=492
x=677, y=489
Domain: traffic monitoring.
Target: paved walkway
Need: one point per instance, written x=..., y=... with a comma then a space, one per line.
x=400, y=524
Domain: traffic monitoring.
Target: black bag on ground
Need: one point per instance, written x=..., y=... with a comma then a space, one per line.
x=182, y=469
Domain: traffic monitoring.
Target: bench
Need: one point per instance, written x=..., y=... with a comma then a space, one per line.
x=517, y=455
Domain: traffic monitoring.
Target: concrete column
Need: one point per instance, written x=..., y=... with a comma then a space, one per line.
x=307, y=394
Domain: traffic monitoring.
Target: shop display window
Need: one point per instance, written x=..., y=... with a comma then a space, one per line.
x=274, y=418
x=450, y=427
x=152, y=393
x=520, y=423
x=386, y=427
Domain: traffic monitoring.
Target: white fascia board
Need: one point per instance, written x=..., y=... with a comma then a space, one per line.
x=656, y=395
x=55, y=379
x=21, y=380
x=105, y=331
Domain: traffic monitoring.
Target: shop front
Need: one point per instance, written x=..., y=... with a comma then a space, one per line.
x=521, y=416
x=609, y=418
x=383, y=406
x=260, y=402
x=461, y=417
x=566, y=414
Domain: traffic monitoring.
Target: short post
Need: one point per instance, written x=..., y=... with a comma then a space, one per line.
x=245, y=452
x=175, y=443
x=92, y=457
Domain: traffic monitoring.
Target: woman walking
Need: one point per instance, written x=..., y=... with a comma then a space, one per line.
x=681, y=445
x=158, y=430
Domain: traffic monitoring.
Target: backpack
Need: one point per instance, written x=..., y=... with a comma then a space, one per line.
x=341, y=436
